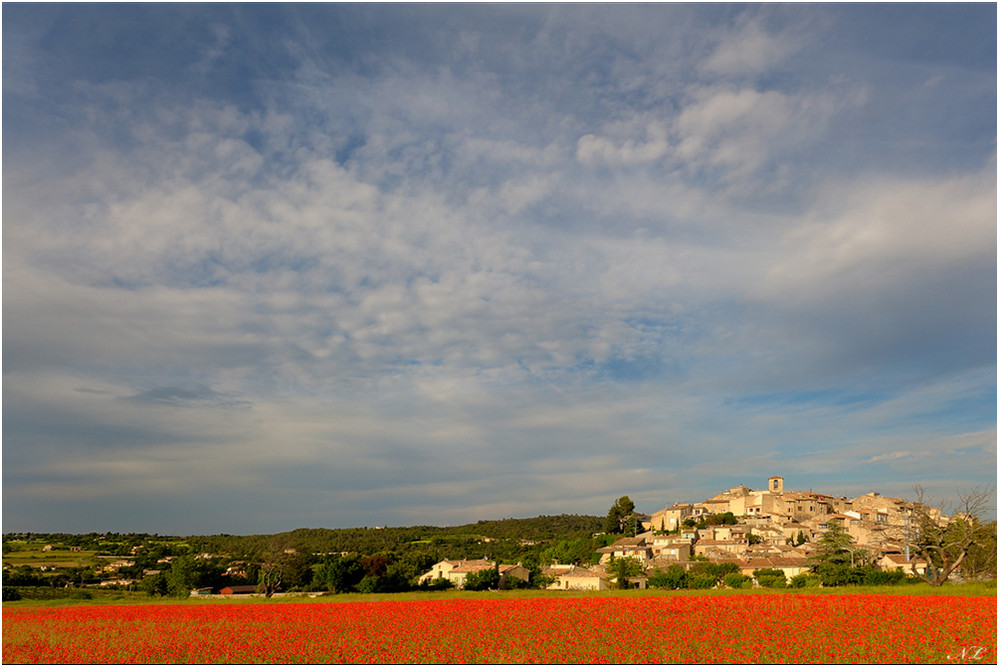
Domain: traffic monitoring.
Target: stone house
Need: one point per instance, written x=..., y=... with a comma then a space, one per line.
x=713, y=506
x=508, y=571
x=897, y=562
x=790, y=566
x=571, y=577
x=671, y=547
x=669, y=519
x=640, y=547
x=456, y=571
x=720, y=549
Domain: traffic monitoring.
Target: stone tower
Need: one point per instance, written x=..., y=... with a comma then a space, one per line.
x=776, y=484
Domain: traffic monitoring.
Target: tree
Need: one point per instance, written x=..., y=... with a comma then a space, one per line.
x=675, y=577
x=624, y=568
x=946, y=542
x=488, y=578
x=575, y=551
x=182, y=577
x=339, y=574
x=715, y=570
x=621, y=516
x=834, y=556
x=981, y=562
x=280, y=564
x=736, y=581
x=716, y=519
x=836, y=546
x=154, y=585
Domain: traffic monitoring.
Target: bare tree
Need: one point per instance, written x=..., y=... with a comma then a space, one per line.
x=945, y=542
x=279, y=564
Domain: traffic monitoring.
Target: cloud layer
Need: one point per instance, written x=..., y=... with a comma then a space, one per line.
x=334, y=266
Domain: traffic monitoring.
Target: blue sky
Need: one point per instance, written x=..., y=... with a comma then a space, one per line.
x=279, y=266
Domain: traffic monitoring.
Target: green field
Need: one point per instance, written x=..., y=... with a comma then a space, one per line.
x=116, y=597
x=36, y=558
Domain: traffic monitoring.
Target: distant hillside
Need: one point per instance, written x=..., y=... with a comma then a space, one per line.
x=544, y=528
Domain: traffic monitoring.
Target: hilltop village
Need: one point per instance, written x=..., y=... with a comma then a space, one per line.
x=740, y=537
x=770, y=530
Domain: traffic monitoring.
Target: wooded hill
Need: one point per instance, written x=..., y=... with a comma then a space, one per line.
x=513, y=532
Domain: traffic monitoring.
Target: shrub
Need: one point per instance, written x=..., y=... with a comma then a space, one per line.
x=702, y=582
x=719, y=571
x=488, y=578
x=736, y=581
x=512, y=582
x=11, y=594
x=768, y=571
x=804, y=580
x=838, y=575
x=369, y=584
x=772, y=581
x=878, y=577
x=675, y=577
x=439, y=584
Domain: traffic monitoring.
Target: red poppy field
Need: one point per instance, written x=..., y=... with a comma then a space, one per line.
x=853, y=628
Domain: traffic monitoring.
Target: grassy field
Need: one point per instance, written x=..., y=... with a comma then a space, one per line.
x=36, y=558
x=113, y=597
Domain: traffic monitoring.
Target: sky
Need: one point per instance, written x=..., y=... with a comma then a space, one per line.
x=269, y=266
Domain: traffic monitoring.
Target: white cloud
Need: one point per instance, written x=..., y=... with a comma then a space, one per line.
x=750, y=49
x=739, y=131
x=622, y=150
x=878, y=233
x=888, y=457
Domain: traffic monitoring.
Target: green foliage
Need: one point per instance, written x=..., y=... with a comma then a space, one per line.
x=439, y=542
x=154, y=585
x=737, y=581
x=716, y=519
x=768, y=571
x=675, y=577
x=438, y=584
x=876, y=577
x=804, y=580
x=835, y=547
x=981, y=561
x=840, y=575
x=624, y=569
x=578, y=551
x=773, y=581
x=24, y=576
x=717, y=571
x=182, y=577
x=702, y=581
x=11, y=594
x=488, y=578
x=339, y=574
x=621, y=517
x=369, y=584
x=512, y=582
x=837, y=575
